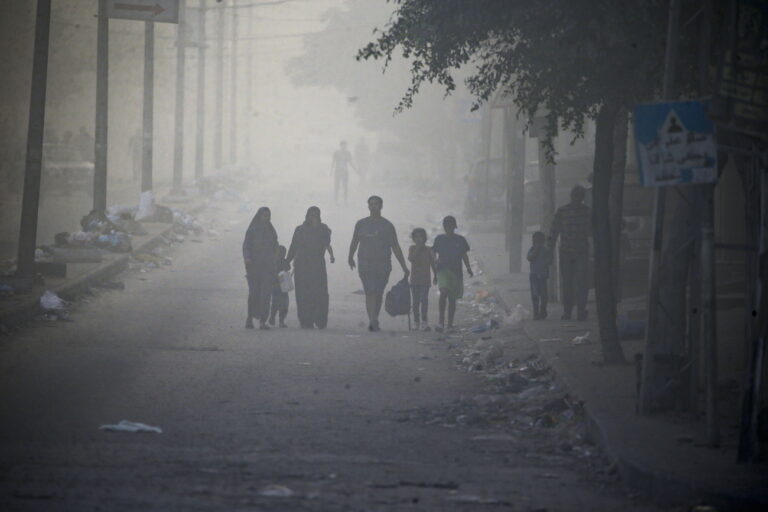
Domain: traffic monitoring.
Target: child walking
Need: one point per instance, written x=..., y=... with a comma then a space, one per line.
x=422, y=267
x=451, y=250
x=541, y=258
x=279, y=297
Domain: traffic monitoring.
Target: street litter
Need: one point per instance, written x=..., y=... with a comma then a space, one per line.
x=276, y=491
x=131, y=426
x=49, y=301
x=6, y=290
x=519, y=313
x=581, y=340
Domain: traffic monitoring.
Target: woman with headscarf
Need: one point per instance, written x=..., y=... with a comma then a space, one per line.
x=310, y=242
x=260, y=252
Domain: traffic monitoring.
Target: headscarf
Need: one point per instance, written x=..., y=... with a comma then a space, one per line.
x=312, y=210
x=260, y=239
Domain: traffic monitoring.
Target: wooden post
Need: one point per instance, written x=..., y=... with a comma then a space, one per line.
x=148, y=107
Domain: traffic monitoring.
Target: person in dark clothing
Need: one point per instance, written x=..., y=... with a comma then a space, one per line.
x=280, y=299
x=541, y=258
x=310, y=242
x=260, y=253
x=377, y=240
x=573, y=225
x=451, y=250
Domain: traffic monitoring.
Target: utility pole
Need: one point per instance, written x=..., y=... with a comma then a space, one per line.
x=178, y=132
x=148, y=107
x=34, y=161
x=249, y=89
x=649, y=389
x=200, y=134
x=219, y=122
x=233, y=91
x=515, y=162
x=102, y=110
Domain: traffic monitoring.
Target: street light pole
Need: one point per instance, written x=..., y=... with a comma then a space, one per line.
x=102, y=110
x=148, y=107
x=34, y=162
x=219, y=123
x=233, y=91
x=200, y=135
x=178, y=138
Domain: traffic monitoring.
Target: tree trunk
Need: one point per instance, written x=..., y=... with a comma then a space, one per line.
x=601, y=231
x=617, y=195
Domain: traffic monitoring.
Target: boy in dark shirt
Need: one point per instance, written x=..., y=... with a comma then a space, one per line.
x=541, y=258
x=451, y=250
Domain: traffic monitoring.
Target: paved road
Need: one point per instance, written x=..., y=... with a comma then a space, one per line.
x=328, y=415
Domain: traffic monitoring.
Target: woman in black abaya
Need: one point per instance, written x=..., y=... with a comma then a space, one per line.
x=260, y=252
x=310, y=242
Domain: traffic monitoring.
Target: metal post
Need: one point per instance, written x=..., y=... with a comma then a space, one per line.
x=178, y=133
x=33, y=169
x=102, y=110
x=708, y=313
x=648, y=389
x=200, y=135
x=233, y=92
x=148, y=107
x=219, y=122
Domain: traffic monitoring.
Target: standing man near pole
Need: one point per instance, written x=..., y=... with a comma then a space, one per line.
x=342, y=158
x=377, y=240
x=573, y=225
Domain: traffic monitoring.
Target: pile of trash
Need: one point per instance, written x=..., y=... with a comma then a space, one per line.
x=222, y=187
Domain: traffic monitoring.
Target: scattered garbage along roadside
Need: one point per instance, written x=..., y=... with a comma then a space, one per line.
x=53, y=306
x=276, y=491
x=131, y=426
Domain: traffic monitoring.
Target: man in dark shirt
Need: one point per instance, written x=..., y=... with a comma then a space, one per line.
x=573, y=225
x=451, y=250
x=342, y=159
x=377, y=240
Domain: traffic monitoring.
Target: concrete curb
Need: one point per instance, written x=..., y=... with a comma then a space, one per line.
x=28, y=308
x=660, y=487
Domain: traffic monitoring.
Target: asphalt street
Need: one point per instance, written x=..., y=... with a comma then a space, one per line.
x=287, y=419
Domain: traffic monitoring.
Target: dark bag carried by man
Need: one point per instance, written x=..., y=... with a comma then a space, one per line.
x=398, y=299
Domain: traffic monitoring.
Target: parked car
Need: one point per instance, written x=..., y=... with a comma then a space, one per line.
x=64, y=169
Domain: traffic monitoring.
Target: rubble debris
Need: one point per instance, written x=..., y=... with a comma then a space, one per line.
x=581, y=340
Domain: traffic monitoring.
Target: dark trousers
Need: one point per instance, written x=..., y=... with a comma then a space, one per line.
x=340, y=180
x=539, y=294
x=573, y=278
x=259, y=291
x=279, y=304
x=420, y=301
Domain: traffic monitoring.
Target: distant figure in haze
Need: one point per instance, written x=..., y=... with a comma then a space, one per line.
x=280, y=299
x=573, y=225
x=342, y=159
x=135, y=147
x=85, y=143
x=422, y=269
x=377, y=240
x=260, y=253
x=362, y=160
x=451, y=250
x=540, y=258
x=310, y=242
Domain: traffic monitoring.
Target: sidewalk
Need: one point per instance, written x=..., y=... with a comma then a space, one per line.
x=659, y=456
x=20, y=308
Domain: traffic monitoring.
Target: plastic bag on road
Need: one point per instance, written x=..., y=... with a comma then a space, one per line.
x=131, y=426
x=146, y=205
x=49, y=301
x=286, y=281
